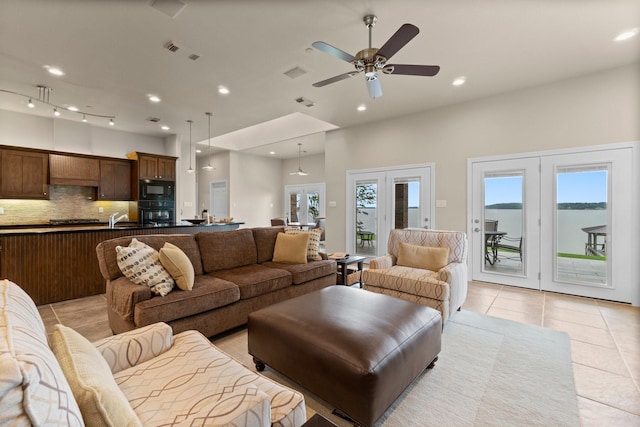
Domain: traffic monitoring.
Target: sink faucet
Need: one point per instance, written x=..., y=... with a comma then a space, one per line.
x=113, y=220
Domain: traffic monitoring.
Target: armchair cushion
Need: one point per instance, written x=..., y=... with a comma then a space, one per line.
x=424, y=257
x=131, y=348
x=100, y=400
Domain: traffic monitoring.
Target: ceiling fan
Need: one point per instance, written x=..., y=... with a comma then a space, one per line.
x=372, y=60
x=299, y=171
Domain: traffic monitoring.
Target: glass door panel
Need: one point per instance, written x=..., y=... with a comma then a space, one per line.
x=505, y=208
x=366, y=218
x=582, y=221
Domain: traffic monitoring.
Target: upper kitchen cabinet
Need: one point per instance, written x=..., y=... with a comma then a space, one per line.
x=115, y=180
x=153, y=166
x=24, y=174
x=65, y=169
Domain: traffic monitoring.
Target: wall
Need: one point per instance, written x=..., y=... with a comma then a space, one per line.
x=595, y=109
x=255, y=189
x=24, y=130
x=220, y=162
x=313, y=165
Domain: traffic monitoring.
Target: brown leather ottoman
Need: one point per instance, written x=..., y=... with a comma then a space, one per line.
x=356, y=349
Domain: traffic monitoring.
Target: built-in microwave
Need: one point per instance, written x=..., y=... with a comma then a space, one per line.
x=157, y=190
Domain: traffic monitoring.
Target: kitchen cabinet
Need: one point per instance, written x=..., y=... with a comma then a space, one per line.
x=115, y=180
x=150, y=166
x=24, y=174
x=67, y=169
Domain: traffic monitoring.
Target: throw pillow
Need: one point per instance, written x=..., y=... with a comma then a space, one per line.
x=425, y=257
x=314, y=241
x=100, y=400
x=291, y=248
x=178, y=265
x=140, y=263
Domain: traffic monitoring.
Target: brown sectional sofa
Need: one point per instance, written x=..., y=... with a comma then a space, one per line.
x=234, y=276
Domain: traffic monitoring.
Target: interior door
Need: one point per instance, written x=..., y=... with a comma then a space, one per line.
x=504, y=238
x=586, y=223
x=304, y=203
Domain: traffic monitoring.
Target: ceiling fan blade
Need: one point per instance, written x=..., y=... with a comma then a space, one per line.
x=374, y=86
x=412, y=70
x=333, y=51
x=335, y=79
x=398, y=40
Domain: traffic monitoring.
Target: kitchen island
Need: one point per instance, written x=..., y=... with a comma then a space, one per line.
x=58, y=263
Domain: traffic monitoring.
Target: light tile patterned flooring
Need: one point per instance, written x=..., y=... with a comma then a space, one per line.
x=605, y=341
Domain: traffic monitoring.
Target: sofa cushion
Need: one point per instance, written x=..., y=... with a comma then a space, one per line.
x=100, y=400
x=254, y=280
x=33, y=389
x=408, y=280
x=222, y=250
x=178, y=265
x=140, y=263
x=265, y=238
x=424, y=257
x=291, y=248
x=107, y=255
x=207, y=294
x=302, y=273
x=314, y=241
x=197, y=384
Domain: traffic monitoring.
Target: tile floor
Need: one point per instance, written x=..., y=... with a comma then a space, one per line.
x=605, y=340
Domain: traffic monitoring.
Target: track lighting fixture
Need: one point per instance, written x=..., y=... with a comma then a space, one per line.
x=209, y=167
x=190, y=170
x=43, y=98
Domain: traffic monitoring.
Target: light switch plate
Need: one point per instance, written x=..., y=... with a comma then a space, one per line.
x=441, y=203
x=332, y=204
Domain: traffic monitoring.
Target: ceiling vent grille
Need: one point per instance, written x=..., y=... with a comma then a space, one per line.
x=194, y=56
x=153, y=119
x=305, y=101
x=171, y=46
x=295, y=72
x=170, y=8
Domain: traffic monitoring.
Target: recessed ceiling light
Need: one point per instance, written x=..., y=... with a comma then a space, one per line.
x=626, y=35
x=54, y=70
x=459, y=81
x=362, y=107
x=154, y=98
x=272, y=152
x=223, y=90
x=72, y=108
x=198, y=150
x=165, y=127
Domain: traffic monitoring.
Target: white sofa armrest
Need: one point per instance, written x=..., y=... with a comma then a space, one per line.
x=455, y=274
x=385, y=261
x=130, y=348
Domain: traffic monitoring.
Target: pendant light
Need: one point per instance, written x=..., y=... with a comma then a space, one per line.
x=299, y=172
x=190, y=170
x=209, y=167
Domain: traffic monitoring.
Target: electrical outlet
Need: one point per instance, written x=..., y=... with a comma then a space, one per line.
x=100, y=209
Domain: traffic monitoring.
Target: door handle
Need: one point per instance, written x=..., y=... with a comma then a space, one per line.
x=476, y=229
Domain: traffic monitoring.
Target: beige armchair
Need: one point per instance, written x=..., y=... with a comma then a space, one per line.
x=424, y=266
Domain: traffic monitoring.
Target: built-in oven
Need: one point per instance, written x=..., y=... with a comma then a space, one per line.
x=151, y=190
x=156, y=203
x=157, y=213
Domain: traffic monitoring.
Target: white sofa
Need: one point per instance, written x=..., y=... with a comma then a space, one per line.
x=444, y=289
x=147, y=376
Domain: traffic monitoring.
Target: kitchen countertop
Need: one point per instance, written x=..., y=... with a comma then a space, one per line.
x=47, y=228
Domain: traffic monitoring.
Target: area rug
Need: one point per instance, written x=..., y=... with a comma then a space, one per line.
x=491, y=372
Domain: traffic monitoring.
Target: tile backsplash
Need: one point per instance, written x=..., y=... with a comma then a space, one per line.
x=65, y=202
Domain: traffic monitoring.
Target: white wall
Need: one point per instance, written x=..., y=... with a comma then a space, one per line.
x=255, y=189
x=595, y=109
x=24, y=130
x=313, y=165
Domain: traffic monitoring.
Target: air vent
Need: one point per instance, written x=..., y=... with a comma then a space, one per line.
x=194, y=56
x=305, y=101
x=153, y=119
x=295, y=72
x=172, y=47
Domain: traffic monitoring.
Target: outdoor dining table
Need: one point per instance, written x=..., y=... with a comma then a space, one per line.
x=490, y=247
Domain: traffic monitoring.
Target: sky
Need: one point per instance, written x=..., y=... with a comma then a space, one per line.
x=572, y=187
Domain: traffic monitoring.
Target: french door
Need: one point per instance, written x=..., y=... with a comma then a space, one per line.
x=384, y=199
x=556, y=222
x=304, y=203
